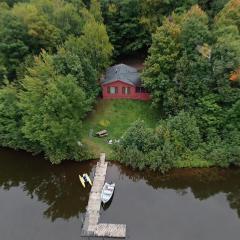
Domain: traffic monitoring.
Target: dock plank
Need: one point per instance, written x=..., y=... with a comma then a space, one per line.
x=111, y=230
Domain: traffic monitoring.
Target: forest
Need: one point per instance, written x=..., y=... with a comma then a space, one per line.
x=52, y=53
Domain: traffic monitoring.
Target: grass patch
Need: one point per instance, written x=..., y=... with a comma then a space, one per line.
x=115, y=116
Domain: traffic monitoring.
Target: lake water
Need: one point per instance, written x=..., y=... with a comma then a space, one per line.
x=39, y=201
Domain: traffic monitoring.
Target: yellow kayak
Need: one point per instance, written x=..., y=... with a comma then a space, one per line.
x=82, y=181
x=88, y=178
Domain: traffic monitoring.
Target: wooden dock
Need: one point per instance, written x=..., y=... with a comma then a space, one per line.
x=91, y=226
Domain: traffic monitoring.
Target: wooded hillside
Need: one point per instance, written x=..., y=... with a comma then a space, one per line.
x=52, y=53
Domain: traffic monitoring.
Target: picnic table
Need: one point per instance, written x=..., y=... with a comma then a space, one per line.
x=102, y=133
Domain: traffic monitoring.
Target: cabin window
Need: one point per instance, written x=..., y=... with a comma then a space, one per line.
x=126, y=90
x=140, y=90
x=112, y=90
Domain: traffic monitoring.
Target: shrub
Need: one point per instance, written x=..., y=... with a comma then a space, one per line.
x=130, y=156
x=139, y=136
x=161, y=159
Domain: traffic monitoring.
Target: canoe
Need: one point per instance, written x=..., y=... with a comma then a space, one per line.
x=82, y=181
x=107, y=192
x=88, y=178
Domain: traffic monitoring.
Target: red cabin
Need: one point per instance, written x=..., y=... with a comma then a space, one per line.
x=122, y=81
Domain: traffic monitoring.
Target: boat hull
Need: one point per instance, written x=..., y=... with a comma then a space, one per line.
x=85, y=179
x=82, y=181
x=107, y=192
x=88, y=178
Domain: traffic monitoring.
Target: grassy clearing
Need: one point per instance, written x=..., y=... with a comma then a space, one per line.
x=115, y=116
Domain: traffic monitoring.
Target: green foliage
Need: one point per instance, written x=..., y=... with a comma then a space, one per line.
x=70, y=59
x=10, y=119
x=192, y=160
x=174, y=68
x=181, y=128
x=162, y=149
x=194, y=32
x=225, y=59
x=154, y=11
x=210, y=115
x=201, y=84
x=193, y=55
x=116, y=116
x=53, y=107
x=230, y=14
x=130, y=23
x=161, y=62
x=104, y=123
x=213, y=7
x=41, y=33
x=125, y=30
x=189, y=76
x=12, y=2
x=139, y=137
x=3, y=72
x=13, y=44
x=162, y=158
x=132, y=157
x=233, y=116
x=95, y=10
x=192, y=79
x=95, y=45
x=30, y=26
x=52, y=93
x=224, y=152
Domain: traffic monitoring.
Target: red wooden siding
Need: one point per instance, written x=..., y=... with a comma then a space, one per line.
x=124, y=91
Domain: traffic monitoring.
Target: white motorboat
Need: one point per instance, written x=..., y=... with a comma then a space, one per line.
x=107, y=192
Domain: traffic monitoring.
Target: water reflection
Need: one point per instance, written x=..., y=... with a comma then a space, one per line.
x=184, y=204
x=56, y=186
x=203, y=183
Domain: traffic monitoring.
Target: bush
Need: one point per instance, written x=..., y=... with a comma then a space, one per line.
x=224, y=152
x=130, y=156
x=183, y=127
x=160, y=149
x=192, y=159
x=177, y=143
x=161, y=159
x=139, y=136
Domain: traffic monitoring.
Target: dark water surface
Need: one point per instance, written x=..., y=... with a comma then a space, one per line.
x=43, y=202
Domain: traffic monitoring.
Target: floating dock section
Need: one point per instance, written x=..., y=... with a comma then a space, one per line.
x=91, y=227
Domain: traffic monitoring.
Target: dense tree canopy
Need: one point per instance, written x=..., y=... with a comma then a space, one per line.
x=130, y=23
x=10, y=119
x=126, y=33
x=30, y=26
x=191, y=68
x=52, y=54
x=53, y=107
x=14, y=44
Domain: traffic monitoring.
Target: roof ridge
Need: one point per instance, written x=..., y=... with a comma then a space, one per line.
x=123, y=73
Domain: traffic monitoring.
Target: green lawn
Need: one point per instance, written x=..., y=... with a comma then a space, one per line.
x=115, y=116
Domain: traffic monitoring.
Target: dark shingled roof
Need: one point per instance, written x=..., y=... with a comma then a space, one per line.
x=122, y=72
